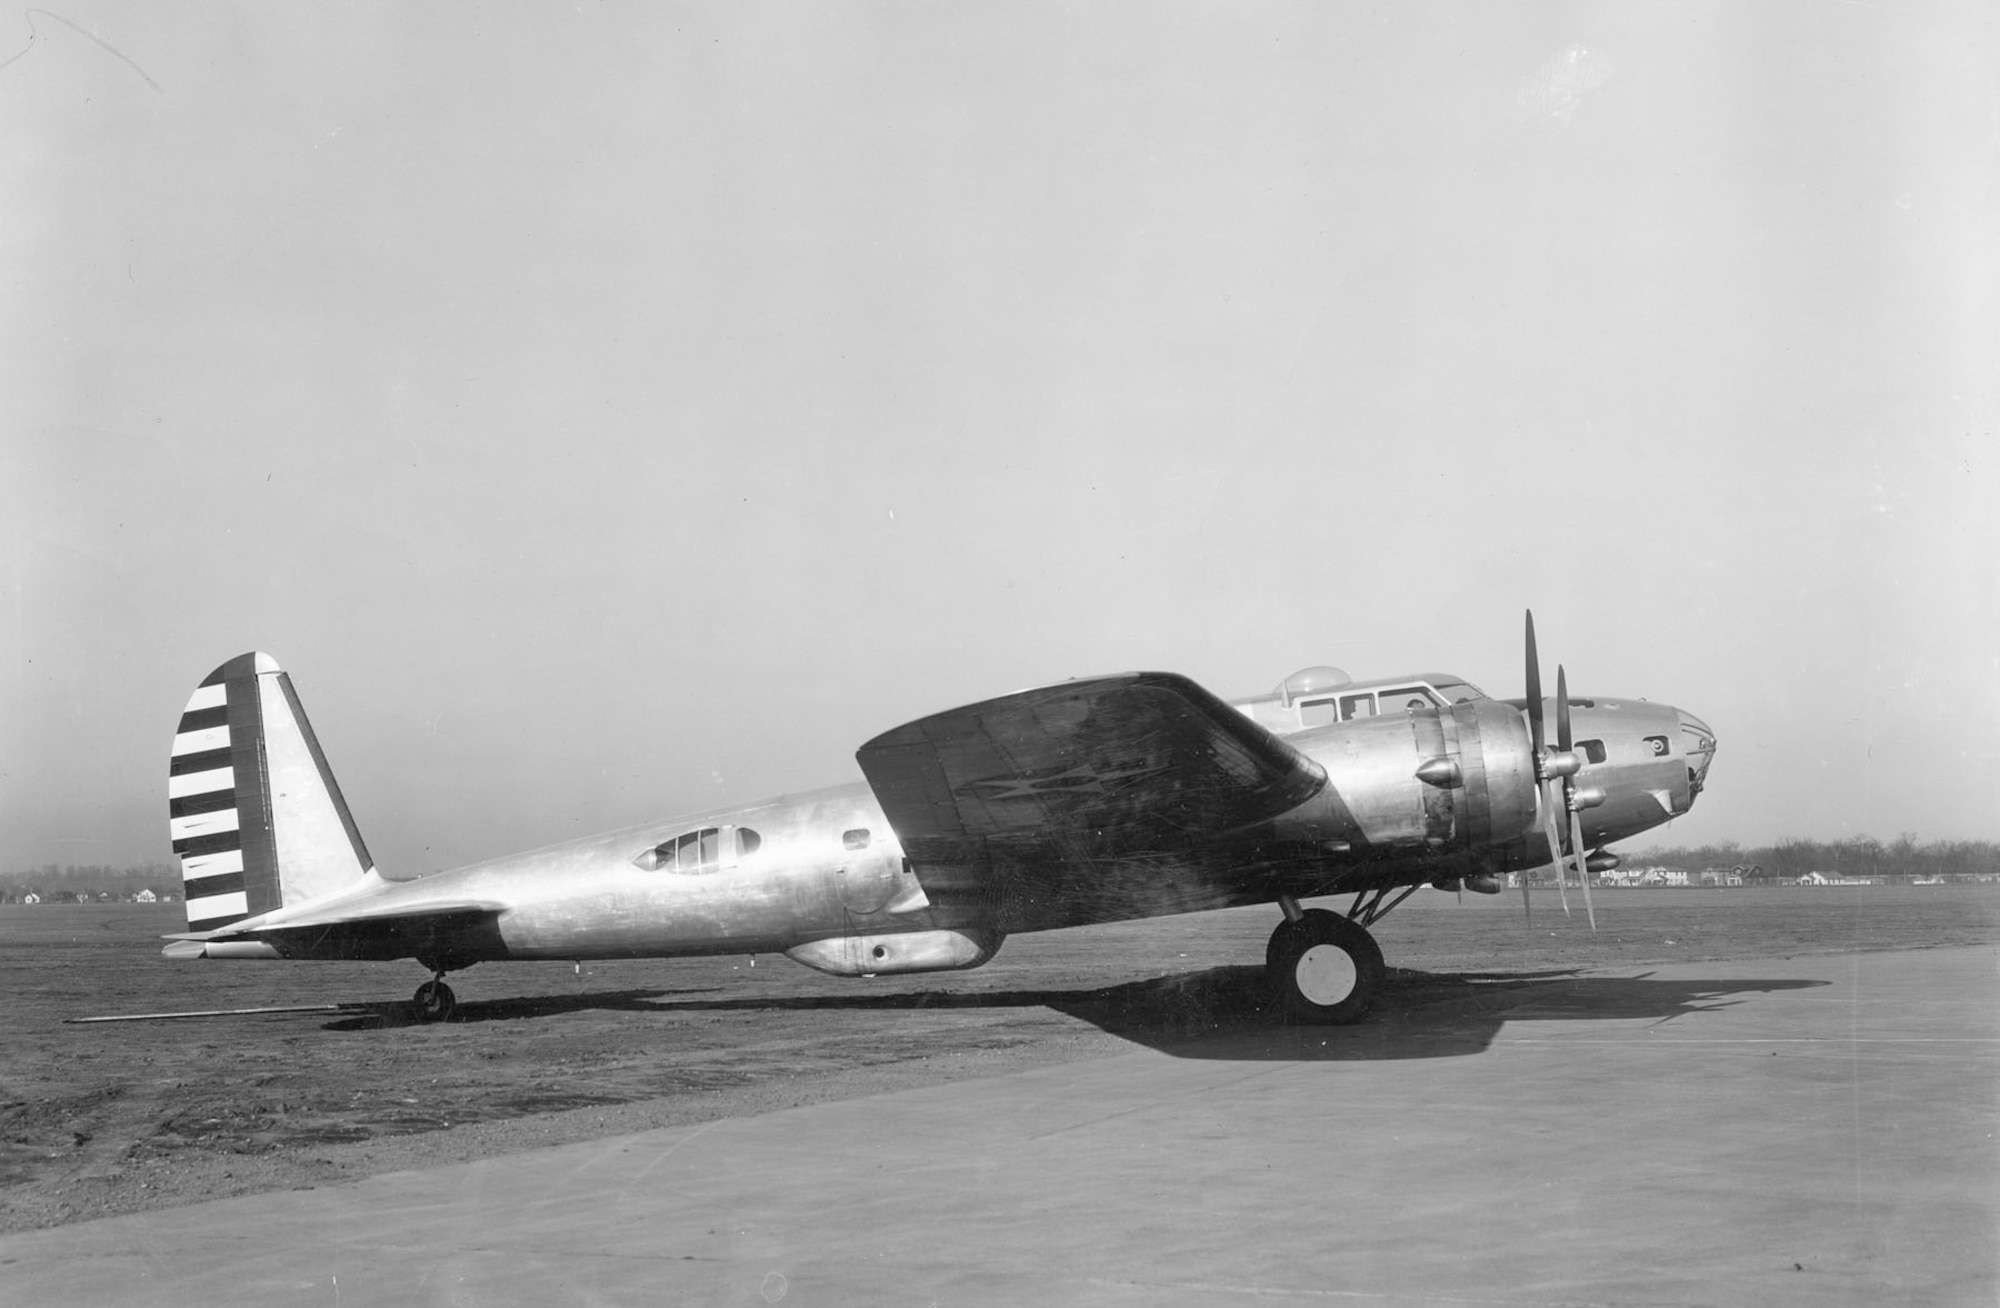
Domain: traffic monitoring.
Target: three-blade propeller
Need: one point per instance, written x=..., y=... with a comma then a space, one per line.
x=1555, y=780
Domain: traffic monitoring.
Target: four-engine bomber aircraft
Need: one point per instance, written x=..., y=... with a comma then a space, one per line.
x=1093, y=800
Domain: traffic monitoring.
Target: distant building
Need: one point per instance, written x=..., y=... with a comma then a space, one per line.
x=1646, y=876
x=145, y=897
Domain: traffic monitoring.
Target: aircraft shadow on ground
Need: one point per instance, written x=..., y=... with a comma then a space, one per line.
x=368, y=1017
x=1228, y=1013
x=1420, y=1014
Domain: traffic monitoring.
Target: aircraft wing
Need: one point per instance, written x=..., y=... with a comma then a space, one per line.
x=1106, y=772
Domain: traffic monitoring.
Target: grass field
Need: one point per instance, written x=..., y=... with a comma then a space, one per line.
x=96, y=1119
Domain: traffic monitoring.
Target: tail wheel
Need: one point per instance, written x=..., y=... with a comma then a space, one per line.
x=1326, y=967
x=433, y=1002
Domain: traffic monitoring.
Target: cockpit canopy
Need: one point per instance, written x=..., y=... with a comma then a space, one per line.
x=1322, y=696
x=1311, y=681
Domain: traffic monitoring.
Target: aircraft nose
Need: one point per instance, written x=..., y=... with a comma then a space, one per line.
x=1698, y=743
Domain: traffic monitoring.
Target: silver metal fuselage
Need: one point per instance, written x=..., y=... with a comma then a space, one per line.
x=825, y=880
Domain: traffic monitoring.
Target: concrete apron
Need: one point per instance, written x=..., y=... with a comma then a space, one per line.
x=1809, y=1131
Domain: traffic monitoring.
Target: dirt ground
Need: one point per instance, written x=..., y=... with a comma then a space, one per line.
x=97, y=1119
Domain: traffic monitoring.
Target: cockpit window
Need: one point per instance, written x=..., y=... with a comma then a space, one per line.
x=747, y=842
x=1592, y=750
x=1398, y=699
x=1459, y=692
x=1698, y=743
x=1318, y=713
x=1356, y=706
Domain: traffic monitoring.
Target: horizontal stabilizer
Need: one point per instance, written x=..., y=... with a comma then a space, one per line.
x=352, y=914
x=463, y=932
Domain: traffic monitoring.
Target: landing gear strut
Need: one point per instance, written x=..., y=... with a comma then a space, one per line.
x=434, y=1001
x=1327, y=968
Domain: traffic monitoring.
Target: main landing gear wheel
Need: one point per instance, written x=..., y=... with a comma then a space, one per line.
x=1326, y=967
x=433, y=1002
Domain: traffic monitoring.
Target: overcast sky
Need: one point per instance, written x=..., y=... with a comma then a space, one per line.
x=609, y=412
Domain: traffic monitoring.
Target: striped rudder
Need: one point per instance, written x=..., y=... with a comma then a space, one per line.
x=253, y=810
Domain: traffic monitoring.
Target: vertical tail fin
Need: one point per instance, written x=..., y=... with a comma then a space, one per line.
x=255, y=814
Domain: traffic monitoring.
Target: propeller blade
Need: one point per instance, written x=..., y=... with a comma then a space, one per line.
x=1535, y=733
x=1566, y=743
x=1563, y=739
x=1582, y=865
x=1550, y=798
x=1536, y=741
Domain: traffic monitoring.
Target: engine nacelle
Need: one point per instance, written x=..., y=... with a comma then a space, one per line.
x=898, y=951
x=1498, y=802
x=1459, y=778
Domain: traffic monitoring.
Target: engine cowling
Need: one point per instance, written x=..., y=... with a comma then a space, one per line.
x=1496, y=803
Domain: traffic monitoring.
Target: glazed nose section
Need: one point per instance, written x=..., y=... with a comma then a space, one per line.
x=1698, y=744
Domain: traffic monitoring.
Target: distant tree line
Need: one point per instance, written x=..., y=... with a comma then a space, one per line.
x=1856, y=856
x=69, y=883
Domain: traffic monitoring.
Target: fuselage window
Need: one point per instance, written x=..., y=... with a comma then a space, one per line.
x=693, y=851
x=855, y=839
x=1318, y=713
x=1356, y=706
